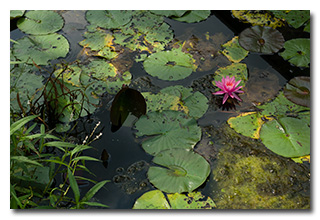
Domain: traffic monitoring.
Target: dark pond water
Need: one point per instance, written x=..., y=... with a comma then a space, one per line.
x=128, y=162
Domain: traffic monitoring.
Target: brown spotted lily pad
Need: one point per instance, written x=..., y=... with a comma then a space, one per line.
x=297, y=90
x=261, y=39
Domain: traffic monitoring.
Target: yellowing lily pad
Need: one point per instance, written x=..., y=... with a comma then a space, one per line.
x=179, y=170
x=261, y=18
x=233, y=51
x=156, y=199
x=247, y=124
x=169, y=65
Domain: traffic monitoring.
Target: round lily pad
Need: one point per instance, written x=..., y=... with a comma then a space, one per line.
x=238, y=70
x=108, y=19
x=41, y=48
x=179, y=170
x=298, y=89
x=167, y=129
x=40, y=22
x=155, y=199
x=261, y=39
x=297, y=52
x=169, y=65
x=194, y=16
x=169, y=13
x=287, y=136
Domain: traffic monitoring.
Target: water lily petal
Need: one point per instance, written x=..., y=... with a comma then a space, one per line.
x=237, y=97
x=225, y=98
x=218, y=93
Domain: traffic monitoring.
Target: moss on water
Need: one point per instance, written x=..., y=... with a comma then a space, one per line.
x=249, y=176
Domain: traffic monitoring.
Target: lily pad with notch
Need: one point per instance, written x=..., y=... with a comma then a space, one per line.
x=297, y=52
x=41, y=49
x=166, y=130
x=126, y=101
x=179, y=170
x=169, y=65
x=261, y=39
x=287, y=136
x=193, y=16
x=298, y=90
x=40, y=22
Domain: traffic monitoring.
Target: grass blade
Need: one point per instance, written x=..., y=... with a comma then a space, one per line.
x=93, y=191
x=18, y=124
x=74, y=186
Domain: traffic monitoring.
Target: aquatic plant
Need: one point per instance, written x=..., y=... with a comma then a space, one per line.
x=298, y=90
x=297, y=52
x=261, y=39
x=179, y=170
x=229, y=88
x=155, y=199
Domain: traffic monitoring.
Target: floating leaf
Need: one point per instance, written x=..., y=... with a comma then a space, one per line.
x=41, y=49
x=169, y=13
x=179, y=170
x=108, y=19
x=297, y=52
x=238, y=70
x=295, y=18
x=168, y=129
x=107, y=76
x=261, y=18
x=298, y=90
x=126, y=101
x=281, y=106
x=193, y=200
x=287, y=136
x=247, y=124
x=40, y=22
x=155, y=199
x=261, y=39
x=233, y=51
x=16, y=13
x=169, y=65
x=196, y=103
x=194, y=16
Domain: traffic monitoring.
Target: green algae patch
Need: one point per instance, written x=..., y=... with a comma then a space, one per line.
x=248, y=177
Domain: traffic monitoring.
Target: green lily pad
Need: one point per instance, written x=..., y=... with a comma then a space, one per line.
x=194, y=16
x=169, y=13
x=297, y=52
x=281, y=106
x=287, y=136
x=108, y=19
x=238, y=70
x=41, y=49
x=233, y=51
x=40, y=22
x=298, y=90
x=167, y=130
x=155, y=199
x=169, y=65
x=261, y=39
x=24, y=81
x=16, y=13
x=179, y=170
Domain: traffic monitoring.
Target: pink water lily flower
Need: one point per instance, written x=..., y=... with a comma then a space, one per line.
x=229, y=88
